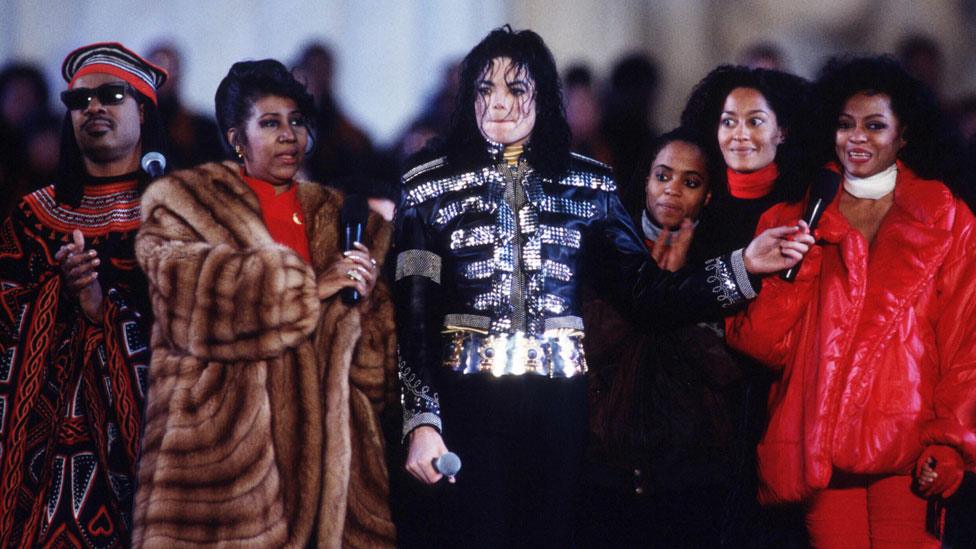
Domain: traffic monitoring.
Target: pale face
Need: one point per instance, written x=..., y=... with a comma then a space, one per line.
x=678, y=185
x=275, y=137
x=107, y=134
x=869, y=135
x=748, y=133
x=505, y=103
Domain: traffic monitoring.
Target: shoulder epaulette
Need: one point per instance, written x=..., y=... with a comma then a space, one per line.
x=591, y=161
x=424, y=168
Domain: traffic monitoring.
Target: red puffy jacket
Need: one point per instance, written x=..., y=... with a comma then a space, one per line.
x=875, y=348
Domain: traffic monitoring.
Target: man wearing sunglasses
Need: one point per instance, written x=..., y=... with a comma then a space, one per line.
x=75, y=317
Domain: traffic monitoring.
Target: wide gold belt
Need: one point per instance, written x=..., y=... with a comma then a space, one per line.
x=551, y=355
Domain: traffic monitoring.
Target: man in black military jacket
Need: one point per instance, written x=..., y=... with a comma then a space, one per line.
x=492, y=241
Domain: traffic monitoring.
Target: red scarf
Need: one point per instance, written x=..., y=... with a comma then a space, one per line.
x=282, y=215
x=755, y=184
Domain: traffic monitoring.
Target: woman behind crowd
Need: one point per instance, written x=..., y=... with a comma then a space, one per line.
x=261, y=423
x=873, y=341
x=663, y=457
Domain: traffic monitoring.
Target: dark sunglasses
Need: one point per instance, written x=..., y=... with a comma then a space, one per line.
x=107, y=94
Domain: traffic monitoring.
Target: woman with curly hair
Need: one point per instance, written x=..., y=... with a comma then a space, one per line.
x=261, y=426
x=761, y=121
x=873, y=342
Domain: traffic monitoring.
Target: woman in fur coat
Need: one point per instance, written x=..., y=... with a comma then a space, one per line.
x=261, y=422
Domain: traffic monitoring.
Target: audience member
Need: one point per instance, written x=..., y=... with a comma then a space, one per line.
x=627, y=121
x=764, y=55
x=342, y=149
x=193, y=138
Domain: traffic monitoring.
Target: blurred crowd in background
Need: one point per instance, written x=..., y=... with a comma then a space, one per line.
x=611, y=120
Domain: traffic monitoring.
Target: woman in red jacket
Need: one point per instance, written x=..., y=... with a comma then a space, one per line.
x=874, y=340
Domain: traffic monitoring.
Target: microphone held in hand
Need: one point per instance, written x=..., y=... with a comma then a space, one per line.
x=448, y=464
x=352, y=220
x=822, y=192
x=154, y=164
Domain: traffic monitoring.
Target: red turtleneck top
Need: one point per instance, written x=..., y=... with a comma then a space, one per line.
x=752, y=185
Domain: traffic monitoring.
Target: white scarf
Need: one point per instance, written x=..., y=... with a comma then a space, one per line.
x=873, y=186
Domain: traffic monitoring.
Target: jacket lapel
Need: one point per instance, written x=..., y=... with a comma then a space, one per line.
x=909, y=248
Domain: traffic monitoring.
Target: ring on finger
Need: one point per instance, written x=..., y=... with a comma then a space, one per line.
x=353, y=274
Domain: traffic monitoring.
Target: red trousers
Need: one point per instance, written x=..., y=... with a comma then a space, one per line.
x=859, y=511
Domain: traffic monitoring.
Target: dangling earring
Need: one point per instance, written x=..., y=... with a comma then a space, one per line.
x=310, y=144
x=239, y=151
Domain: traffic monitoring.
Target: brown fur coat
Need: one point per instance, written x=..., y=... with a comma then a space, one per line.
x=261, y=420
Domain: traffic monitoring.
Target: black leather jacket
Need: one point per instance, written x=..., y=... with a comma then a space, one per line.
x=503, y=250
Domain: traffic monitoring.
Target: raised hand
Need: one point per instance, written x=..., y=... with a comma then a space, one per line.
x=673, y=256
x=80, y=276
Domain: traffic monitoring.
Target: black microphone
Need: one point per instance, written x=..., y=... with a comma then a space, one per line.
x=448, y=464
x=822, y=192
x=352, y=219
x=154, y=164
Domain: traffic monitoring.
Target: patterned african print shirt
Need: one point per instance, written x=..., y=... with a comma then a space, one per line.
x=71, y=391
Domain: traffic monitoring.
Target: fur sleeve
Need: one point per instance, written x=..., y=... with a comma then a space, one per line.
x=221, y=288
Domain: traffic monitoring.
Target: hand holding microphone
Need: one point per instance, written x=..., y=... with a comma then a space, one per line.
x=354, y=275
x=428, y=460
x=822, y=192
x=448, y=464
x=352, y=219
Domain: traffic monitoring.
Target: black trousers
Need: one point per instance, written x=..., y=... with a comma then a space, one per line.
x=520, y=440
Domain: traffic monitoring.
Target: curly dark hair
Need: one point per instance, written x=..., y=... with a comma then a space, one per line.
x=788, y=95
x=714, y=166
x=249, y=81
x=933, y=148
x=548, y=147
x=71, y=174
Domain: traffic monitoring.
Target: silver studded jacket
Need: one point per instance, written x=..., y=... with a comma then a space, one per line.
x=502, y=250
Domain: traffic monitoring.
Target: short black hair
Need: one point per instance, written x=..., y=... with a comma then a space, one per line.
x=249, y=81
x=914, y=45
x=578, y=75
x=635, y=73
x=791, y=100
x=30, y=73
x=548, y=147
x=714, y=166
